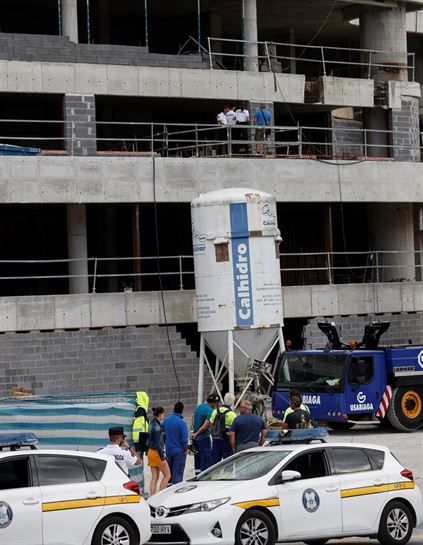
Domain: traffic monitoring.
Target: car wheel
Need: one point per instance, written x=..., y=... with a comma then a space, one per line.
x=396, y=524
x=255, y=528
x=405, y=412
x=115, y=531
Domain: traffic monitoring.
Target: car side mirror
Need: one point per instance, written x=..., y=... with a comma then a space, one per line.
x=288, y=475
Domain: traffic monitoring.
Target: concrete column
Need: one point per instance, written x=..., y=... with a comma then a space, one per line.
x=77, y=247
x=70, y=19
x=292, y=51
x=251, y=35
x=391, y=227
x=385, y=29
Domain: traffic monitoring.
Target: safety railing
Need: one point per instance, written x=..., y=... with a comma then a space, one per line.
x=307, y=59
x=212, y=140
x=177, y=272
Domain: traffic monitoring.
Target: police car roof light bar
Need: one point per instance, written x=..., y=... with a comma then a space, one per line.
x=15, y=441
x=289, y=437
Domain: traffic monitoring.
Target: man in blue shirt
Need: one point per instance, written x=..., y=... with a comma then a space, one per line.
x=203, y=412
x=176, y=431
x=247, y=430
x=262, y=119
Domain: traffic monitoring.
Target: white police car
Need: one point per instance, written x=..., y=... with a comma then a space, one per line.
x=58, y=497
x=292, y=492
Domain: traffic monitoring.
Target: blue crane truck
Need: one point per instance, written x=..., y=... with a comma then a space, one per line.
x=362, y=383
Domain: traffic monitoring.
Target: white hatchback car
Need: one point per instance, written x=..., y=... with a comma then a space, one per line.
x=292, y=492
x=58, y=497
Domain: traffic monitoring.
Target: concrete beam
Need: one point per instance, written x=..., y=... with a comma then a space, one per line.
x=128, y=180
x=144, y=308
x=347, y=92
x=101, y=79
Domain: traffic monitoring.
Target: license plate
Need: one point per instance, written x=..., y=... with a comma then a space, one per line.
x=161, y=529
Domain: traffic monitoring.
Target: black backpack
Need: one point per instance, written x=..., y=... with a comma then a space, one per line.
x=218, y=429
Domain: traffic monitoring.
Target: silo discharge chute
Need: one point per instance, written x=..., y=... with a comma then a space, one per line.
x=238, y=286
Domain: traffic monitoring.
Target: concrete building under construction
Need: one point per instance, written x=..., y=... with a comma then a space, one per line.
x=108, y=131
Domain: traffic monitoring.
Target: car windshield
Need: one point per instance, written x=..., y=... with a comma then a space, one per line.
x=311, y=372
x=244, y=466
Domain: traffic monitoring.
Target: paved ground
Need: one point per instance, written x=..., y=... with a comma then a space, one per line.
x=407, y=447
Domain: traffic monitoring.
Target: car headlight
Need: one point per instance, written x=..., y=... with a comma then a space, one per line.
x=206, y=505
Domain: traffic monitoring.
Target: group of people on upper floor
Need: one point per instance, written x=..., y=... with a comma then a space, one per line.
x=237, y=122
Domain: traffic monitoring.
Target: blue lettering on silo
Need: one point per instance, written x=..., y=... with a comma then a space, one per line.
x=241, y=266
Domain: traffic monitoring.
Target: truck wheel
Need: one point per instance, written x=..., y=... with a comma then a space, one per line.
x=405, y=411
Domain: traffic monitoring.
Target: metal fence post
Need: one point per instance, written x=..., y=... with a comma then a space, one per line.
x=229, y=134
x=210, y=53
x=268, y=56
x=166, y=140
x=152, y=138
x=196, y=141
x=369, y=73
x=181, y=279
x=95, y=275
x=413, y=56
x=323, y=60
x=377, y=266
x=365, y=143
x=300, y=136
x=329, y=268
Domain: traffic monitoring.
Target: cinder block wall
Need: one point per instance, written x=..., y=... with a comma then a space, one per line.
x=405, y=127
x=105, y=360
x=404, y=327
x=50, y=48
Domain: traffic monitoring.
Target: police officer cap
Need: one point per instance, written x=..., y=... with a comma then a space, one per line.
x=118, y=430
x=213, y=398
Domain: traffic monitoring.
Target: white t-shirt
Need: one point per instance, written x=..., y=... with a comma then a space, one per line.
x=124, y=458
x=222, y=119
x=231, y=117
x=242, y=116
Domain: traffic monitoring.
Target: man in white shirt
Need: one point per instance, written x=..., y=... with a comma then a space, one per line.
x=124, y=455
x=231, y=116
x=242, y=118
x=221, y=118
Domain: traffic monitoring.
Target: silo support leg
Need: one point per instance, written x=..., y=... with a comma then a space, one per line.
x=231, y=364
x=200, y=397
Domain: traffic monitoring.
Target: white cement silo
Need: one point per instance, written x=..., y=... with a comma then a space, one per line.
x=237, y=277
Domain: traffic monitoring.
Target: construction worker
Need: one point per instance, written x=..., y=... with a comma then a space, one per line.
x=203, y=412
x=140, y=423
x=295, y=393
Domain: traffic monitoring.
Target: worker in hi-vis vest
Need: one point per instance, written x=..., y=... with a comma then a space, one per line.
x=140, y=424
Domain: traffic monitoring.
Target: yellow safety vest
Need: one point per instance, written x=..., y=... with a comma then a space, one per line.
x=140, y=423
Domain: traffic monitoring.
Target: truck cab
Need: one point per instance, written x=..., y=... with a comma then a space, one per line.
x=339, y=386
x=360, y=383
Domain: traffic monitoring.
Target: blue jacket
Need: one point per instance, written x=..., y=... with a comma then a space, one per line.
x=156, y=438
x=176, y=431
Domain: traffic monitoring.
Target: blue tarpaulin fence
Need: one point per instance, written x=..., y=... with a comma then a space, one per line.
x=70, y=422
x=7, y=149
